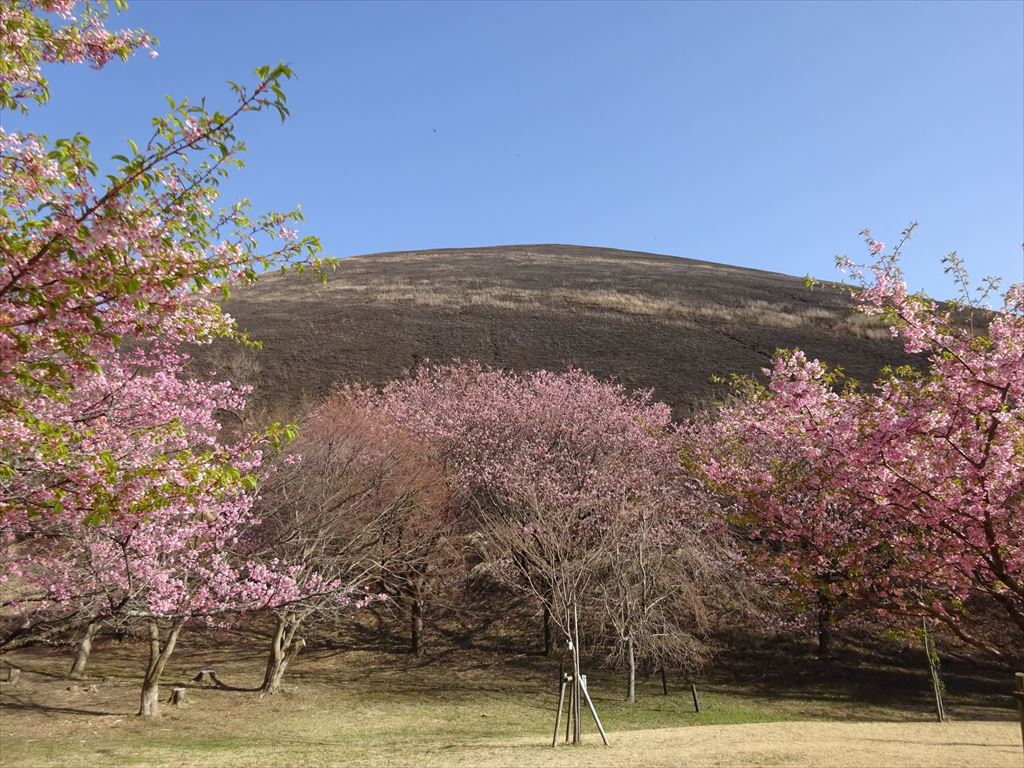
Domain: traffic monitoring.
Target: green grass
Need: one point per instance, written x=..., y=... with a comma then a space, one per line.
x=357, y=707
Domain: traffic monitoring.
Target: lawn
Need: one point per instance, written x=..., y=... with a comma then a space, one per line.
x=464, y=707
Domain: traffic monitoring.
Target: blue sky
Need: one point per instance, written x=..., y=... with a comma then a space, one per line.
x=762, y=134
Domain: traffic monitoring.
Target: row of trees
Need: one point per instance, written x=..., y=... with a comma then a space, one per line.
x=569, y=490
x=895, y=502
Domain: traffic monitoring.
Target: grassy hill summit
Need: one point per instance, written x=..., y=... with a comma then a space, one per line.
x=648, y=320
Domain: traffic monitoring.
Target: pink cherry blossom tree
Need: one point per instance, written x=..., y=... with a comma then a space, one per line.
x=779, y=458
x=141, y=255
x=907, y=496
x=358, y=501
x=556, y=475
x=144, y=444
x=944, y=448
x=116, y=500
x=72, y=33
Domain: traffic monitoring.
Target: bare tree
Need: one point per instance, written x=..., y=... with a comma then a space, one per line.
x=356, y=505
x=545, y=553
x=668, y=585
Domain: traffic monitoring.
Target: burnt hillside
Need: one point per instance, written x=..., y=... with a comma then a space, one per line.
x=650, y=321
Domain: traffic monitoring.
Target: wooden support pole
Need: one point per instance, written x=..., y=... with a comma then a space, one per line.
x=558, y=715
x=593, y=711
x=664, y=682
x=577, y=729
x=696, y=701
x=933, y=670
x=1019, y=694
x=568, y=717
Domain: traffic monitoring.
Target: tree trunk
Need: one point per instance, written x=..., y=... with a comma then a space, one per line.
x=577, y=726
x=84, y=649
x=416, y=616
x=824, y=626
x=417, y=627
x=283, y=650
x=150, y=699
x=631, y=672
x=158, y=656
x=547, y=631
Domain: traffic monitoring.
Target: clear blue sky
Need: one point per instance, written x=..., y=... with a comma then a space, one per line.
x=761, y=134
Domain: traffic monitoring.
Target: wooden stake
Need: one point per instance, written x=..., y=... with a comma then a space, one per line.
x=593, y=711
x=1019, y=695
x=577, y=726
x=568, y=717
x=664, y=682
x=696, y=703
x=558, y=715
x=930, y=652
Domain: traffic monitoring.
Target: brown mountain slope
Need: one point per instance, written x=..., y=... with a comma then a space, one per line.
x=650, y=321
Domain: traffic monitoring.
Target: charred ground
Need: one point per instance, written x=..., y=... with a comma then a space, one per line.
x=650, y=321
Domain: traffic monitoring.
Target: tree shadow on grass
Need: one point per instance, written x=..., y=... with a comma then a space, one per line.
x=32, y=669
x=991, y=745
x=220, y=686
x=894, y=683
x=15, y=703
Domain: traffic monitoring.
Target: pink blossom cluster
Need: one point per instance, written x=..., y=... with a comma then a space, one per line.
x=29, y=39
x=909, y=495
x=134, y=509
x=569, y=443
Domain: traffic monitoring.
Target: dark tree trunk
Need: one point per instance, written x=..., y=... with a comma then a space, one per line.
x=158, y=656
x=824, y=626
x=631, y=671
x=84, y=649
x=284, y=647
x=416, y=615
x=417, y=626
x=547, y=631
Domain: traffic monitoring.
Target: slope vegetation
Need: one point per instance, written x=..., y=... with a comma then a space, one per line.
x=650, y=321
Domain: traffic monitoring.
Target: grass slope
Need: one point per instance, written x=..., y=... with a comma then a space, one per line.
x=651, y=321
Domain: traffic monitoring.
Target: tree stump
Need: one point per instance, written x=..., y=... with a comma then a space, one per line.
x=208, y=678
x=178, y=697
x=13, y=673
x=81, y=688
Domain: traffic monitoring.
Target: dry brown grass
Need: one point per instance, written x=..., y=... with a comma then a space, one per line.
x=492, y=707
x=651, y=321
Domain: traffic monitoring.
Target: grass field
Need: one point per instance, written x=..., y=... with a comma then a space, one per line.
x=463, y=707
